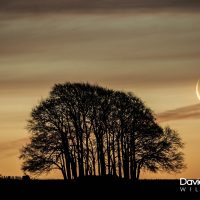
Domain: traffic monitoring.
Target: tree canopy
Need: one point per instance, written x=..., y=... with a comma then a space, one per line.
x=84, y=129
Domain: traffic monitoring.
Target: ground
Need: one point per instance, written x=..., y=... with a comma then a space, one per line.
x=89, y=187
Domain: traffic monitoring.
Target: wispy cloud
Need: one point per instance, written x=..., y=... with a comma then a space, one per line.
x=95, y=48
x=90, y=5
x=187, y=112
x=10, y=148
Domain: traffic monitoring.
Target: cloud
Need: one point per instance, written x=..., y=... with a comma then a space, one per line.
x=187, y=112
x=40, y=51
x=93, y=5
x=10, y=148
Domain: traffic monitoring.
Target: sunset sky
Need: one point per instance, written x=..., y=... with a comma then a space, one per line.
x=148, y=47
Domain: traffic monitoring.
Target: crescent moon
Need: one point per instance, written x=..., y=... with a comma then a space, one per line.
x=197, y=90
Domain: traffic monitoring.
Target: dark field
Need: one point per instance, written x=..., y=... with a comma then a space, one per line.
x=100, y=187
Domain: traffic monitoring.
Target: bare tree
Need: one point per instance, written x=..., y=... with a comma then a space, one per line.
x=161, y=153
x=84, y=130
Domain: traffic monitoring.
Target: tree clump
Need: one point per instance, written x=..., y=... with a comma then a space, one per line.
x=85, y=130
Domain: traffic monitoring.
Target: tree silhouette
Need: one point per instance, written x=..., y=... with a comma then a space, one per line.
x=84, y=130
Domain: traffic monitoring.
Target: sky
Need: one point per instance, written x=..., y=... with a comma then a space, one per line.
x=148, y=47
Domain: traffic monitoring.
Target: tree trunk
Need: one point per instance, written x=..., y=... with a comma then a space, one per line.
x=66, y=154
x=102, y=158
x=133, y=166
x=113, y=150
x=64, y=175
x=108, y=153
x=73, y=166
x=138, y=172
x=63, y=167
x=119, y=158
x=81, y=156
x=67, y=161
x=87, y=156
